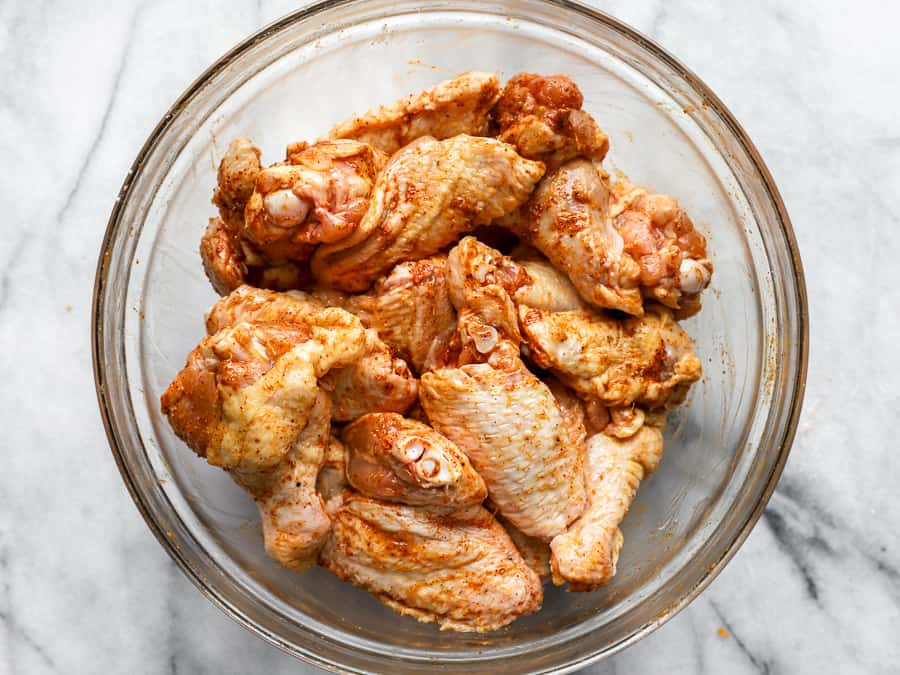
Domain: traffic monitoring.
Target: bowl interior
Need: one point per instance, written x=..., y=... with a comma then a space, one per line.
x=307, y=74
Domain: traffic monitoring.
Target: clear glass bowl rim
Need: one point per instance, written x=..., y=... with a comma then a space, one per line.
x=799, y=347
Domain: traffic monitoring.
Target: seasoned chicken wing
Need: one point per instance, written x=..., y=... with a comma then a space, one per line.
x=246, y=390
x=430, y=192
x=586, y=555
x=457, y=106
x=659, y=235
x=510, y=426
x=647, y=360
x=248, y=401
x=492, y=285
x=457, y=568
x=567, y=220
x=410, y=308
x=376, y=381
x=319, y=197
x=272, y=218
x=401, y=460
x=541, y=115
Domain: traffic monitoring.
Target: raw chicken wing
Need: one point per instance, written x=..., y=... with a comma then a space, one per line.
x=457, y=568
x=510, y=426
x=401, y=460
x=293, y=514
x=542, y=116
x=586, y=555
x=319, y=197
x=248, y=401
x=222, y=256
x=457, y=106
x=647, y=360
x=660, y=236
x=272, y=218
x=567, y=220
x=430, y=192
x=376, y=381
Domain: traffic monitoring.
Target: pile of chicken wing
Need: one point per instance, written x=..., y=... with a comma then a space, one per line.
x=445, y=347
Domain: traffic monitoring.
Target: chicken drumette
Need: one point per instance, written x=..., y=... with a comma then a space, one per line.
x=272, y=218
x=541, y=115
x=585, y=555
x=658, y=234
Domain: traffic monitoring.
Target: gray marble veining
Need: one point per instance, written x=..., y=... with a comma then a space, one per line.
x=84, y=588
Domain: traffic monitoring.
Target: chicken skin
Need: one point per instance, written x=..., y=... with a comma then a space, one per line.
x=568, y=221
x=509, y=425
x=293, y=514
x=586, y=555
x=376, y=381
x=658, y=234
x=430, y=192
x=400, y=460
x=222, y=257
x=572, y=410
x=410, y=308
x=248, y=401
x=457, y=568
x=542, y=116
x=457, y=106
x=230, y=261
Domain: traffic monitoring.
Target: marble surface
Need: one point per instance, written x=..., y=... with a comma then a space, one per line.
x=84, y=588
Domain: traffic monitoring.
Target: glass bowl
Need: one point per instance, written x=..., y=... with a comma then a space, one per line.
x=724, y=451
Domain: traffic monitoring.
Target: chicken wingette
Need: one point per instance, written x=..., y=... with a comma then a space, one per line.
x=456, y=567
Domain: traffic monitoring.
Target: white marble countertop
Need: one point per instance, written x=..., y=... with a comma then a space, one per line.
x=84, y=588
